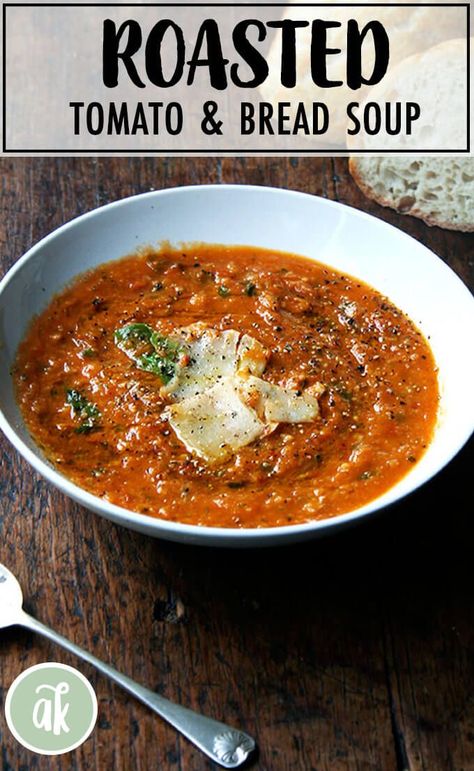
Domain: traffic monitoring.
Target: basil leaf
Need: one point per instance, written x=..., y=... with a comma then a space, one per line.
x=160, y=343
x=88, y=412
x=158, y=365
x=150, y=351
x=133, y=333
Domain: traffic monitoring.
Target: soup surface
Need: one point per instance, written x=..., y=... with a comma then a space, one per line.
x=356, y=407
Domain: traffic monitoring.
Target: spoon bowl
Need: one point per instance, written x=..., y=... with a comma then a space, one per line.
x=11, y=598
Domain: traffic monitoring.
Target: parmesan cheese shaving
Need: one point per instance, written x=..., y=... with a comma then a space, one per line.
x=216, y=423
x=252, y=356
x=278, y=405
x=221, y=402
x=211, y=355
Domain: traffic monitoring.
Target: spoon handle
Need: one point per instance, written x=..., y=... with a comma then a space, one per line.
x=223, y=744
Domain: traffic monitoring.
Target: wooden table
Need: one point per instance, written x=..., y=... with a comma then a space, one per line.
x=353, y=652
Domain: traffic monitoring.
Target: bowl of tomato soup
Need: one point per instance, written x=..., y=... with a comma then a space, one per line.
x=234, y=365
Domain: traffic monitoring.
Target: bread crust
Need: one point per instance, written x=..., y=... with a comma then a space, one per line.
x=415, y=211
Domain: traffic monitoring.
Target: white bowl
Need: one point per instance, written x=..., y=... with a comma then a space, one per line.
x=415, y=279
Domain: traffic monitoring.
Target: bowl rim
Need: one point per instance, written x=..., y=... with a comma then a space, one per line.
x=208, y=535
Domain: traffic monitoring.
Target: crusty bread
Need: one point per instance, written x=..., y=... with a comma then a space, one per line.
x=411, y=30
x=437, y=79
x=439, y=191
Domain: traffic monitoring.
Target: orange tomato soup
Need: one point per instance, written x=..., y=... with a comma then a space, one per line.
x=99, y=418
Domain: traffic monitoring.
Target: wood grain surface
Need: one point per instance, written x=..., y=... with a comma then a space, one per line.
x=353, y=652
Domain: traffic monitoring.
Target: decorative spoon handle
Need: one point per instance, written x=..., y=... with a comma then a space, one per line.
x=226, y=746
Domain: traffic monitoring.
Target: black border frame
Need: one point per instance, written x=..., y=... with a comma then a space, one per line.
x=232, y=152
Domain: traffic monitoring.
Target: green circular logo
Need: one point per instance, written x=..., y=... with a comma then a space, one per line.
x=51, y=708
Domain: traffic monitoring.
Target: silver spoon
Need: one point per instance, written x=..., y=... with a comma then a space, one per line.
x=225, y=745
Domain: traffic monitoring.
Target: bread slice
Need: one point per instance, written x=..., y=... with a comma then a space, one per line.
x=439, y=191
x=438, y=80
x=411, y=30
